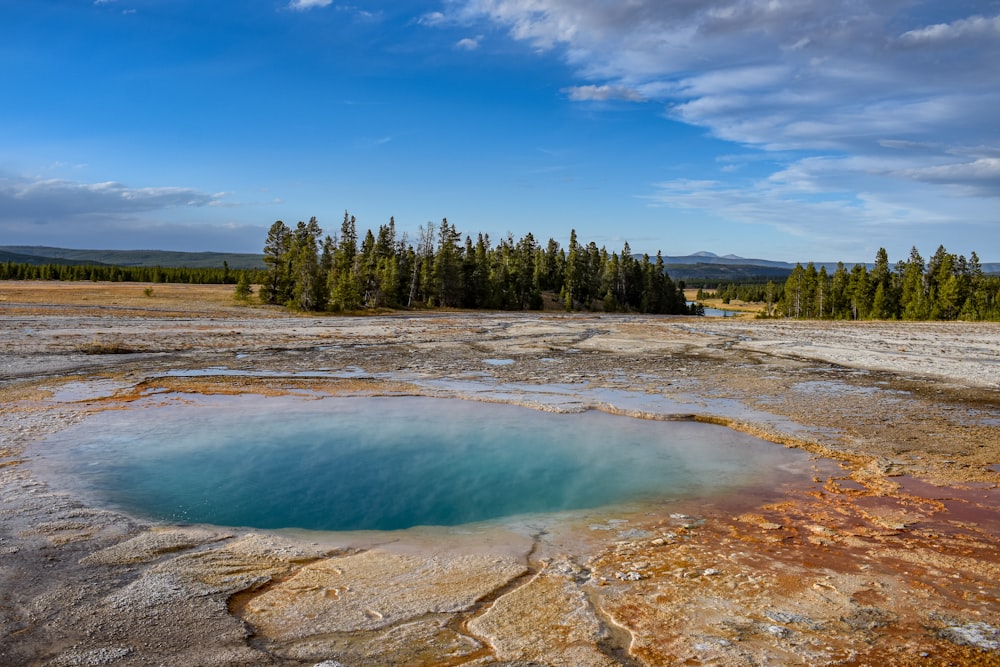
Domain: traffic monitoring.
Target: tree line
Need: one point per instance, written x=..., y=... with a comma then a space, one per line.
x=140, y=274
x=946, y=287
x=312, y=272
x=751, y=292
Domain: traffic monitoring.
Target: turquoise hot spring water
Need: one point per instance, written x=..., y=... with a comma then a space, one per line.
x=389, y=463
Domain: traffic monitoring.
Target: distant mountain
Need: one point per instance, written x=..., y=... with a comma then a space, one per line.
x=725, y=272
x=162, y=258
x=704, y=257
x=20, y=258
x=706, y=265
x=700, y=265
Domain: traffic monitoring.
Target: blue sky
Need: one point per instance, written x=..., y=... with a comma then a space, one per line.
x=785, y=129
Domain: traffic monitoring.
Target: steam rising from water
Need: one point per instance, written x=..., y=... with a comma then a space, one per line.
x=391, y=463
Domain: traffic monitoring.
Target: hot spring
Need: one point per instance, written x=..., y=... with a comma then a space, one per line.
x=390, y=463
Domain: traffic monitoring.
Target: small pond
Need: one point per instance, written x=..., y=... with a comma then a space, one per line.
x=336, y=463
x=715, y=312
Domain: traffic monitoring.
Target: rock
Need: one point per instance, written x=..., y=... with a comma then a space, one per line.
x=547, y=621
x=778, y=631
x=376, y=589
x=978, y=634
x=785, y=618
x=92, y=658
x=869, y=618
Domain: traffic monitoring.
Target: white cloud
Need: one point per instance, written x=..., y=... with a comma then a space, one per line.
x=972, y=27
x=303, y=5
x=978, y=177
x=432, y=19
x=889, y=100
x=603, y=93
x=823, y=200
x=469, y=43
x=42, y=200
x=38, y=211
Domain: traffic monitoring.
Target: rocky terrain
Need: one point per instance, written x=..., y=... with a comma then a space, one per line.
x=886, y=551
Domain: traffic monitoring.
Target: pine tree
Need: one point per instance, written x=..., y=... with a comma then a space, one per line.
x=277, y=283
x=447, y=267
x=886, y=306
x=821, y=298
x=527, y=289
x=572, y=291
x=345, y=291
x=387, y=266
x=243, y=289
x=794, y=292
x=307, y=286
x=859, y=292
x=914, y=299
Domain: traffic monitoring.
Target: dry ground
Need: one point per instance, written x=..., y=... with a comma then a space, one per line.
x=887, y=552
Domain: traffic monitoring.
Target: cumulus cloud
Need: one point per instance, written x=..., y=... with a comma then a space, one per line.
x=859, y=82
x=469, y=43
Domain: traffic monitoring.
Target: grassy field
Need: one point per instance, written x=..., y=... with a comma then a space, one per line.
x=183, y=298
x=158, y=297
x=737, y=307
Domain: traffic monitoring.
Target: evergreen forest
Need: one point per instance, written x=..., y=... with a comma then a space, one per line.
x=312, y=272
x=131, y=274
x=946, y=287
x=308, y=271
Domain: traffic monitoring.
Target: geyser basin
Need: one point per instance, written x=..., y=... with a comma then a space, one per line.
x=390, y=463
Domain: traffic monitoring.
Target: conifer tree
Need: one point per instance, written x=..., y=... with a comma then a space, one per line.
x=243, y=289
x=277, y=283
x=914, y=301
x=345, y=291
x=572, y=291
x=307, y=290
x=839, y=300
x=859, y=292
x=447, y=266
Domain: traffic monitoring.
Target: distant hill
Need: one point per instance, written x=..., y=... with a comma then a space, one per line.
x=705, y=261
x=162, y=258
x=721, y=272
x=19, y=258
x=701, y=265
x=711, y=258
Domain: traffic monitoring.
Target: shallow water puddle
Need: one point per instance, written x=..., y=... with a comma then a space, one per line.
x=79, y=391
x=391, y=463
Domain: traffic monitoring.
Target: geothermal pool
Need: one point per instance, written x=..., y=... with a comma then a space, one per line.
x=339, y=464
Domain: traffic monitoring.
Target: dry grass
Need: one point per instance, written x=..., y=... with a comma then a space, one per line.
x=734, y=306
x=162, y=299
